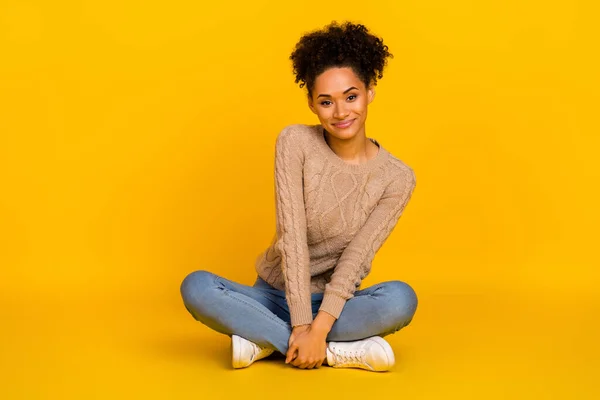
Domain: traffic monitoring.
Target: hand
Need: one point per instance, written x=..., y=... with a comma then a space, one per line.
x=296, y=331
x=309, y=344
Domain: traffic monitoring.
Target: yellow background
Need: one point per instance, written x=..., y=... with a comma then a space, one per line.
x=137, y=144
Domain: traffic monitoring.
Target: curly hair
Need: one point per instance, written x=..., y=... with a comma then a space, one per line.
x=346, y=45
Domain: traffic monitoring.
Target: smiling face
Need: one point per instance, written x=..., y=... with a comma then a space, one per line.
x=339, y=95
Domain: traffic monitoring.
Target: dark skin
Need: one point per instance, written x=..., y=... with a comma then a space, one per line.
x=307, y=343
x=339, y=95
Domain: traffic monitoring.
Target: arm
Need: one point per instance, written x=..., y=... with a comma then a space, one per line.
x=323, y=323
x=291, y=227
x=355, y=262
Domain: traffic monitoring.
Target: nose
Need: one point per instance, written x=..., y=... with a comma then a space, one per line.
x=340, y=112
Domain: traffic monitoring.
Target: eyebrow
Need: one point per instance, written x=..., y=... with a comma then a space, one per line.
x=345, y=91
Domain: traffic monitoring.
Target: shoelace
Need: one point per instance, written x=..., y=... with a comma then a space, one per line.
x=349, y=357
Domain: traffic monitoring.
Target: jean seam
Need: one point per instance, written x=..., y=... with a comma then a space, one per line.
x=276, y=320
x=223, y=286
x=376, y=290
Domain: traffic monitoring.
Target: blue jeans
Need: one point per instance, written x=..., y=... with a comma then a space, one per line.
x=260, y=312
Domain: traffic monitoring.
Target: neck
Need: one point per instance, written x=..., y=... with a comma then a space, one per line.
x=354, y=149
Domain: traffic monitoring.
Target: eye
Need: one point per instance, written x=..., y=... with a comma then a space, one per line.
x=323, y=102
x=352, y=95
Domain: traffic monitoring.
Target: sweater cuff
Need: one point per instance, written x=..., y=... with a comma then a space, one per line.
x=301, y=314
x=332, y=304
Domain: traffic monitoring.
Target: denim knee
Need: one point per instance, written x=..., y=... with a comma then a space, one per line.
x=194, y=287
x=402, y=302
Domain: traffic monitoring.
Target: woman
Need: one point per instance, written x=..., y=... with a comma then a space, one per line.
x=338, y=196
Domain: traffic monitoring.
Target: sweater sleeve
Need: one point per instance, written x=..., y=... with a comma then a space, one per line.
x=291, y=226
x=355, y=262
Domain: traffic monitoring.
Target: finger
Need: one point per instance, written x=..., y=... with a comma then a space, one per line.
x=297, y=361
x=291, y=356
x=290, y=353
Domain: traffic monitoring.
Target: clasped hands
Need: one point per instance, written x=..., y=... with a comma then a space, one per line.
x=307, y=347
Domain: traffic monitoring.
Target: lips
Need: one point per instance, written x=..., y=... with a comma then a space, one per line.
x=343, y=124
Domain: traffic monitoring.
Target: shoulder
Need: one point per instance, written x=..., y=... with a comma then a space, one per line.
x=402, y=174
x=297, y=132
x=298, y=136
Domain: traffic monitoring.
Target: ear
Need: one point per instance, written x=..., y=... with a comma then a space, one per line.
x=311, y=105
x=370, y=93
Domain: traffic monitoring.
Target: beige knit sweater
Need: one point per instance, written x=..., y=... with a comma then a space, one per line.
x=331, y=219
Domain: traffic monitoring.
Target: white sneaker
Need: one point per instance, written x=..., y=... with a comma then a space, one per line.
x=374, y=354
x=244, y=352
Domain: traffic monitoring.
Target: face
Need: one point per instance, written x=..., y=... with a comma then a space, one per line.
x=339, y=95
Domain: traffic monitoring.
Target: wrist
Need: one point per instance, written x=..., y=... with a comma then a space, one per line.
x=300, y=328
x=319, y=329
x=323, y=323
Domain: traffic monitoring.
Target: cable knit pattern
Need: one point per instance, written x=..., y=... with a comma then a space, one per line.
x=331, y=219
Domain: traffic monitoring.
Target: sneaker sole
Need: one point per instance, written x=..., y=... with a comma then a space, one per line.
x=389, y=352
x=236, y=348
